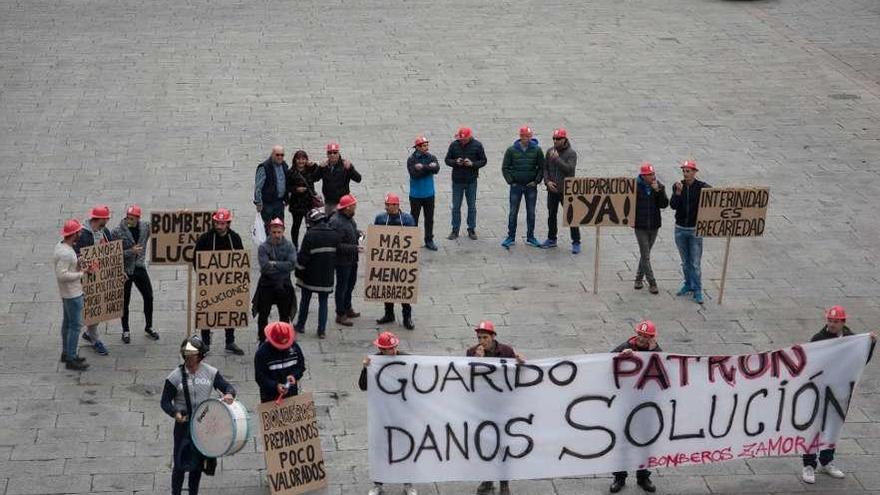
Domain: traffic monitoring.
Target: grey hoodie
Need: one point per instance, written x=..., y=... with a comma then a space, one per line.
x=129, y=258
x=557, y=169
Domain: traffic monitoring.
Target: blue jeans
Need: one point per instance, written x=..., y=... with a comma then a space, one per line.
x=516, y=193
x=469, y=191
x=690, y=248
x=346, y=276
x=70, y=325
x=303, y=315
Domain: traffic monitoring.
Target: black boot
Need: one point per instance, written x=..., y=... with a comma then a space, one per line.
x=617, y=485
x=647, y=485
x=485, y=488
x=388, y=318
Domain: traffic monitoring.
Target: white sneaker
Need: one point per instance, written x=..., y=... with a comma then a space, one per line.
x=376, y=490
x=409, y=490
x=831, y=470
x=809, y=475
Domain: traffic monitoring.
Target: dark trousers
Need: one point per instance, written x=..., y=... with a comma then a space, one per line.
x=270, y=211
x=346, y=276
x=416, y=205
x=281, y=299
x=195, y=477
x=825, y=457
x=641, y=474
x=141, y=279
x=407, y=310
x=645, y=238
x=295, y=223
x=553, y=202
x=230, y=336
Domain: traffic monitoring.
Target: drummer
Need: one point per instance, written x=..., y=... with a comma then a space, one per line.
x=279, y=363
x=185, y=389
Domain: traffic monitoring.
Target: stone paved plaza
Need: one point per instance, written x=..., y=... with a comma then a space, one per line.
x=171, y=104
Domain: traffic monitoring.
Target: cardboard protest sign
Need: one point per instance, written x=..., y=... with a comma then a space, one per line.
x=599, y=201
x=434, y=419
x=294, y=459
x=392, y=269
x=173, y=235
x=732, y=211
x=103, y=290
x=223, y=282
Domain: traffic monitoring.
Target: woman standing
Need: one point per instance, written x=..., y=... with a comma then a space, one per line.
x=301, y=192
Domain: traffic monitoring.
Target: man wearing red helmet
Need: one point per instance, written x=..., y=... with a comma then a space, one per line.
x=315, y=265
x=347, y=253
x=686, y=203
x=835, y=327
x=386, y=344
x=559, y=164
x=488, y=347
x=523, y=169
x=68, y=274
x=219, y=238
x=135, y=234
x=645, y=340
x=270, y=186
x=337, y=174
x=466, y=157
x=97, y=233
x=277, y=258
x=393, y=216
x=650, y=199
x=279, y=363
x=422, y=166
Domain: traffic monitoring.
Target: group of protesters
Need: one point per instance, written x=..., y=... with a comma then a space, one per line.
x=325, y=260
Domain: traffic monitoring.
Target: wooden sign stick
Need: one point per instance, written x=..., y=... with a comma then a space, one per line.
x=724, y=271
x=596, y=264
x=189, y=300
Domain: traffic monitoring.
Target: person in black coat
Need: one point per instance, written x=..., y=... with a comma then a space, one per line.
x=347, y=252
x=645, y=340
x=650, y=199
x=466, y=157
x=279, y=363
x=220, y=238
x=336, y=173
x=686, y=203
x=301, y=196
x=315, y=267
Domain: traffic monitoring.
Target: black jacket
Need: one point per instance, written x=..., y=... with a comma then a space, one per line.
x=210, y=241
x=687, y=203
x=631, y=344
x=648, y=206
x=336, y=180
x=316, y=260
x=362, y=381
x=499, y=351
x=824, y=334
x=346, y=228
x=272, y=366
x=87, y=238
x=474, y=151
x=301, y=202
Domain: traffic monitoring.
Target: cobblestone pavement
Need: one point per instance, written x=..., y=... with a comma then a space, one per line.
x=171, y=104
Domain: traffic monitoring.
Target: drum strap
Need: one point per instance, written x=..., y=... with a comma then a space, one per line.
x=189, y=409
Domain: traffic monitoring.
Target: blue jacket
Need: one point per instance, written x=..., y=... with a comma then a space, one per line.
x=272, y=367
x=421, y=181
x=404, y=219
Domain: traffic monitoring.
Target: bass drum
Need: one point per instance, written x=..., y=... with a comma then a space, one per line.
x=218, y=429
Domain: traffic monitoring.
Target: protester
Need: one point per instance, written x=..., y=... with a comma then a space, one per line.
x=645, y=340
x=68, y=273
x=393, y=216
x=835, y=327
x=96, y=234
x=279, y=363
x=315, y=265
x=422, y=166
x=347, y=252
x=301, y=196
x=466, y=157
x=487, y=346
x=270, y=186
x=220, y=238
x=559, y=164
x=523, y=169
x=185, y=389
x=650, y=199
x=386, y=343
x=686, y=203
x=135, y=234
x=277, y=259
x=337, y=174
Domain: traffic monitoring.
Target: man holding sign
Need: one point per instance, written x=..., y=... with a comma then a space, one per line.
x=686, y=203
x=393, y=216
x=523, y=169
x=135, y=235
x=96, y=234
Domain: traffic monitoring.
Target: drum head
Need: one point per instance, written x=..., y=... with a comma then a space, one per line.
x=213, y=428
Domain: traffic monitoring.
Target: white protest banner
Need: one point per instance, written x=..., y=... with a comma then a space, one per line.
x=732, y=211
x=391, y=273
x=223, y=281
x=459, y=419
x=104, y=289
x=173, y=235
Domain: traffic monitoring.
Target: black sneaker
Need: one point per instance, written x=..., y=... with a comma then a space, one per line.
x=472, y=235
x=126, y=337
x=617, y=485
x=638, y=284
x=647, y=485
x=77, y=359
x=452, y=236
x=87, y=338
x=152, y=333
x=233, y=348
x=385, y=319
x=408, y=324
x=485, y=488
x=322, y=335
x=76, y=365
